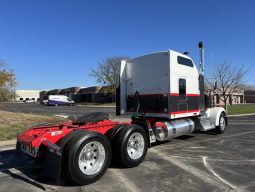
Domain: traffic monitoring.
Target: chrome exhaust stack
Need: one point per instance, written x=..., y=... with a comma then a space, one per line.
x=201, y=63
x=201, y=79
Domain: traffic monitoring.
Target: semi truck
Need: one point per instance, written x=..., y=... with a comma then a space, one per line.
x=164, y=94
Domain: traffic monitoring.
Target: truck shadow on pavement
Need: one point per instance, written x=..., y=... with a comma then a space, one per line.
x=21, y=168
x=28, y=170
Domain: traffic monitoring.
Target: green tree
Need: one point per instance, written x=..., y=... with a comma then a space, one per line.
x=106, y=72
x=8, y=83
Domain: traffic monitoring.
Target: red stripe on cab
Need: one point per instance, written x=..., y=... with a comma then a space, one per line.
x=188, y=94
x=181, y=112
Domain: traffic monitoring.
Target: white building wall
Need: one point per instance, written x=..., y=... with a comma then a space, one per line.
x=22, y=95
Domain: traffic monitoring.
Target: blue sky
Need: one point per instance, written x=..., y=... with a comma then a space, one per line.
x=55, y=43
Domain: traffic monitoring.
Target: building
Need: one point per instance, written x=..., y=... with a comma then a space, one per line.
x=69, y=92
x=236, y=98
x=95, y=94
x=249, y=96
x=22, y=95
x=88, y=94
x=54, y=92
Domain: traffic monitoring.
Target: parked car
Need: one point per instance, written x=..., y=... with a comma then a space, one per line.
x=29, y=101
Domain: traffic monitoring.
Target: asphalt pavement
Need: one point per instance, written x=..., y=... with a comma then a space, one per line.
x=53, y=110
x=194, y=162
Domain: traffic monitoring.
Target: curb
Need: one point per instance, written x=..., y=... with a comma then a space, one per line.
x=8, y=142
x=240, y=115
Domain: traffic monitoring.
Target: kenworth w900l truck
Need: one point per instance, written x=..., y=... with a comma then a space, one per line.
x=164, y=94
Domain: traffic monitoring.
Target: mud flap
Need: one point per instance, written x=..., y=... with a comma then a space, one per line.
x=52, y=166
x=21, y=156
x=18, y=153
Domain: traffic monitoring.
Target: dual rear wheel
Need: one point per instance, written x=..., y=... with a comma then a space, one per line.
x=130, y=145
x=87, y=155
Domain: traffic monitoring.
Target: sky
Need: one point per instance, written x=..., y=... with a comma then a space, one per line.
x=55, y=43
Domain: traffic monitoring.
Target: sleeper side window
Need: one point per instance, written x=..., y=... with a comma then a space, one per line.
x=182, y=87
x=185, y=61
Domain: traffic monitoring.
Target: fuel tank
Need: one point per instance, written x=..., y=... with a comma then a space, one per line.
x=166, y=130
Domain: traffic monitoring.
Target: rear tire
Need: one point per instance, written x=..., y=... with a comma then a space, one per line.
x=130, y=145
x=63, y=144
x=87, y=157
x=222, y=124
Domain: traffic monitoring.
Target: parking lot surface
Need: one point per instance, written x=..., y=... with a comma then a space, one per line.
x=53, y=110
x=194, y=162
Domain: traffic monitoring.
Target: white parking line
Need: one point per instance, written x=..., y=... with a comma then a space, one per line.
x=126, y=182
x=209, y=168
x=64, y=116
x=229, y=161
x=192, y=170
x=13, y=170
x=238, y=134
x=241, y=123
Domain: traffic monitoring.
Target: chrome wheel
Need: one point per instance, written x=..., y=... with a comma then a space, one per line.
x=222, y=123
x=135, y=146
x=91, y=158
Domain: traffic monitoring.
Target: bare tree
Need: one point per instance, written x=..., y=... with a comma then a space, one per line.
x=8, y=83
x=230, y=79
x=106, y=72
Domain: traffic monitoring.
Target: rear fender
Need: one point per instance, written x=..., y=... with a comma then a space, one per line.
x=53, y=158
x=66, y=139
x=53, y=161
